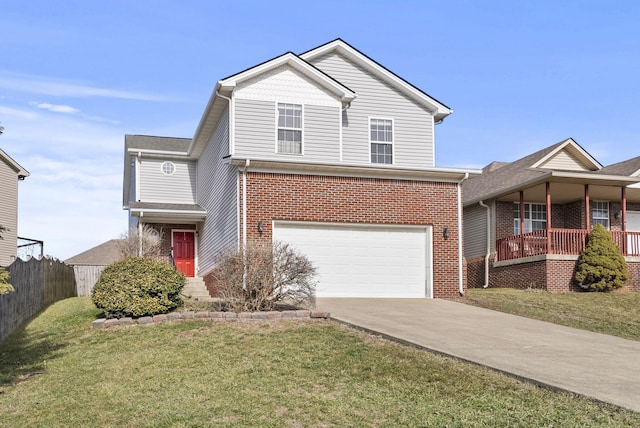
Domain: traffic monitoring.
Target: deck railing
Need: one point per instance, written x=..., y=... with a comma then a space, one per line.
x=560, y=241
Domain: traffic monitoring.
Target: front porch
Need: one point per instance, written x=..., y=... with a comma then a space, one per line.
x=560, y=241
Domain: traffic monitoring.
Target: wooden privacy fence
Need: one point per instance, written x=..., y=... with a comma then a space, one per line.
x=37, y=283
x=86, y=278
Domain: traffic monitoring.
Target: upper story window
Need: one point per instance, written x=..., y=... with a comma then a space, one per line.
x=168, y=168
x=535, y=218
x=381, y=140
x=289, y=128
x=600, y=213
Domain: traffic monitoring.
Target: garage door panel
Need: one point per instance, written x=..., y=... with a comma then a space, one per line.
x=362, y=261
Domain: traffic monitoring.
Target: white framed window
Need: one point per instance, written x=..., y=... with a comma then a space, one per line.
x=289, y=129
x=600, y=213
x=168, y=168
x=381, y=140
x=535, y=217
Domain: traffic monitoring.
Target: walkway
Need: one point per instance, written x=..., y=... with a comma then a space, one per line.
x=596, y=365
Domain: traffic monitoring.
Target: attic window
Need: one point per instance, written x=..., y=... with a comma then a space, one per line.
x=168, y=168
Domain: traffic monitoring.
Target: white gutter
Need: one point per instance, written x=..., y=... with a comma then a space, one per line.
x=488, y=253
x=232, y=139
x=460, y=267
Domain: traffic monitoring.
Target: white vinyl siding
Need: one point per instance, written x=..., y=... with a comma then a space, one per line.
x=364, y=260
x=255, y=132
x=565, y=161
x=8, y=213
x=475, y=231
x=413, y=124
x=218, y=195
x=177, y=188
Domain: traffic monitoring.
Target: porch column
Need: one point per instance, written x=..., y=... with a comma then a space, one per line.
x=521, y=250
x=548, y=203
x=587, y=208
x=623, y=216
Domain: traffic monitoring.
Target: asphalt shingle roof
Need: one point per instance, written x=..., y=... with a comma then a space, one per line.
x=149, y=142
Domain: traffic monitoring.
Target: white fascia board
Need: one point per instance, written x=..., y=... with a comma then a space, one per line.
x=295, y=62
x=134, y=151
x=586, y=157
x=437, y=108
x=329, y=169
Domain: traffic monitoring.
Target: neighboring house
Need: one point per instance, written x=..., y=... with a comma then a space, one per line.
x=88, y=265
x=10, y=173
x=526, y=222
x=327, y=150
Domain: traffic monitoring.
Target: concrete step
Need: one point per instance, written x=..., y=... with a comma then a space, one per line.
x=196, y=290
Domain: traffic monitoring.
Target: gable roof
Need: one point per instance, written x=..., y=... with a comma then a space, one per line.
x=439, y=109
x=20, y=171
x=158, y=145
x=537, y=168
x=630, y=167
x=100, y=255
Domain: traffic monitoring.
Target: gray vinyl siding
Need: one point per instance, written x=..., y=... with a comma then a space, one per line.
x=255, y=132
x=218, y=195
x=413, y=124
x=178, y=188
x=475, y=231
x=8, y=213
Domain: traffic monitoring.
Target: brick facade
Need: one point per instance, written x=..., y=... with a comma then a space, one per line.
x=297, y=197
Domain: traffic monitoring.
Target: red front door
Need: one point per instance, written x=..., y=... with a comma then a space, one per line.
x=184, y=249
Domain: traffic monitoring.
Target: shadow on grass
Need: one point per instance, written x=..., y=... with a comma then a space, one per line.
x=25, y=355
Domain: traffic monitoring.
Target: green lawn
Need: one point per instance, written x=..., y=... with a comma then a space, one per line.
x=59, y=372
x=616, y=314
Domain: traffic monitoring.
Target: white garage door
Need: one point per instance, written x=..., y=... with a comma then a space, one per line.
x=364, y=260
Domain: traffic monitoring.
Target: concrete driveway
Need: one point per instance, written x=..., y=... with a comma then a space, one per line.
x=596, y=365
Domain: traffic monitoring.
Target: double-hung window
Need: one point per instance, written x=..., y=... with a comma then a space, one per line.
x=289, y=128
x=600, y=213
x=535, y=218
x=381, y=132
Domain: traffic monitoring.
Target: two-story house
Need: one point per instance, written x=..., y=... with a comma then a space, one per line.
x=10, y=174
x=526, y=222
x=327, y=150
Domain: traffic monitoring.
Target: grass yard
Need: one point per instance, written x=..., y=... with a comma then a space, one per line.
x=58, y=372
x=616, y=314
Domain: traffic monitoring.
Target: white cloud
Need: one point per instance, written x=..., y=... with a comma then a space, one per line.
x=58, y=108
x=57, y=87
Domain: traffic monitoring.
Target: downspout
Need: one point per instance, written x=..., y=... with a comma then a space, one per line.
x=140, y=234
x=232, y=138
x=247, y=162
x=488, y=253
x=460, y=267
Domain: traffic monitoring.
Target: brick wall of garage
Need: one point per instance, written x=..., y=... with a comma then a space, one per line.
x=296, y=197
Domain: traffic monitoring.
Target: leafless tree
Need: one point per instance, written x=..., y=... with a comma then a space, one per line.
x=143, y=242
x=263, y=276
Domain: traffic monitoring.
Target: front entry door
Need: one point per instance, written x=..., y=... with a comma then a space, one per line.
x=184, y=249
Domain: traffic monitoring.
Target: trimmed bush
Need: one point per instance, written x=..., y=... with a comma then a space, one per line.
x=601, y=266
x=5, y=287
x=136, y=287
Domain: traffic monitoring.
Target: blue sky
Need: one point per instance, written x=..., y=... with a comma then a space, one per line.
x=75, y=76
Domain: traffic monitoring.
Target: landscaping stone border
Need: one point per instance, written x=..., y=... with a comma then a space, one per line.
x=103, y=323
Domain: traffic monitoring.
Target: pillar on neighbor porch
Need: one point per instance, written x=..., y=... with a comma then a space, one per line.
x=623, y=216
x=587, y=208
x=521, y=250
x=548, y=206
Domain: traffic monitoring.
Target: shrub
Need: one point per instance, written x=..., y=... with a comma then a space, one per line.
x=601, y=266
x=5, y=287
x=276, y=274
x=137, y=287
